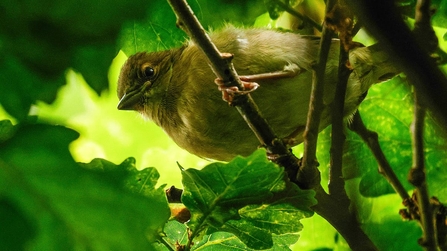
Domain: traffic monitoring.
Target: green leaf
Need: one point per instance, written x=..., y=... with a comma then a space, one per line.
x=157, y=32
x=19, y=231
x=388, y=111
x=175, y=232
x=281, y=214
x=72, y=207
x=249, y=197
x=278, y=217
x=440, y=16
x=22, y=86
x=144, y=182
x=228, y=241
x=385, y=228
x=220, y=241
x=138, y=181
x=215, y=193
x=237, y=12
x=6, y=130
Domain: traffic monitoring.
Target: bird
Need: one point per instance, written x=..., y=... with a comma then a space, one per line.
x=175, y=88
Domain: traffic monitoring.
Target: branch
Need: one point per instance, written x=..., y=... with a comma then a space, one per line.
x=335, y=206
x=309, y=172
x=223, y=68
x=423, y=31
x=418, y=179
x=340, y=217
x=417, y=175
x=382, y=19
x=371, y=139
x=336, y=181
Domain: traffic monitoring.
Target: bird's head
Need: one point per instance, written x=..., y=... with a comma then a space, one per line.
x=142, y=78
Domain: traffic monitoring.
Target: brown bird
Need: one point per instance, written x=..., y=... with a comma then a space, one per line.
x=176, y=90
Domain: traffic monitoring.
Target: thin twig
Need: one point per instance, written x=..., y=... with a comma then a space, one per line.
x=309, y=172
x=223, y=68
x=295, y=13
x=371, y=139
x=337, y=199
x=427, y=38
x=423, y=31
x=418, y=179
x=336, y=184
x=336, y=179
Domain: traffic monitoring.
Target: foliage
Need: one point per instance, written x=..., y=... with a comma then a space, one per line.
x=44, y=192
x=59, y=52
x=250, y=198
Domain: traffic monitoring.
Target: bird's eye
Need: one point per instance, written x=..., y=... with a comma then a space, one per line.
x=148, y=71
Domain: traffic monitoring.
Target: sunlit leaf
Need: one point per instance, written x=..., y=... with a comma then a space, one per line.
x=159, y=31
x=388, y=111
x=175, y=233
x=248, y=197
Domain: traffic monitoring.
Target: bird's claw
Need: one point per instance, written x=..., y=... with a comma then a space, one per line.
x=230, y=92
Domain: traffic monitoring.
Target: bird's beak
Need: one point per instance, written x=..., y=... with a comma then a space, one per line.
x=130, y=99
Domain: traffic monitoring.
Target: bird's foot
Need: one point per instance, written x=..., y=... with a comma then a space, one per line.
x=249, y=81
x=230, y=92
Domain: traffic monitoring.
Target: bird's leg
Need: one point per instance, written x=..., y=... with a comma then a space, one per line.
x=249, y=81
x=289, y=71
